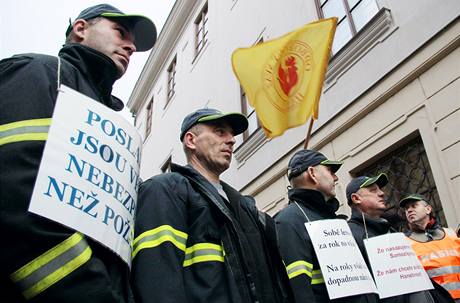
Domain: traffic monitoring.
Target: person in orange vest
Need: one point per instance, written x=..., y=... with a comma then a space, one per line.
x=437, y=248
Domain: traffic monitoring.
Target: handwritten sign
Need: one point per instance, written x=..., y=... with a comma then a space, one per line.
x=343, y=267
x=89, y=173
x=396, y=268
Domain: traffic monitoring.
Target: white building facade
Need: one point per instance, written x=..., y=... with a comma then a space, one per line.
x=390, y=102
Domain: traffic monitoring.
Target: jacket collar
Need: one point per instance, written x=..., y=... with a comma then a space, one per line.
x=433, y=231
x=205, y=187
x=380, y=226
x=100, y=70
x=314, y=200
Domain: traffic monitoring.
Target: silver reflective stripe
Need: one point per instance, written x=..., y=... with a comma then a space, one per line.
x=23, y=130
x=452, y=286
x=299, y=268
x=445, y=270
x=317, y=275
x=203, y=252
x=52, y=266
x=161, y=233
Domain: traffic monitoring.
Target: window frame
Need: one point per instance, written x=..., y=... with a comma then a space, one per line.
x=148, y=118
x=171, y=92
x=348, y=15
x=245, y=110
x=201, y=30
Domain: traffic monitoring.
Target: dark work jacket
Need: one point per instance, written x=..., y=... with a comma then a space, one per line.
x=296, y=245
x=28, y=90
x=377, y=227
x=181, y=216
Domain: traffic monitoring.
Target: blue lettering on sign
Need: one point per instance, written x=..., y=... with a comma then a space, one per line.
x=104, y=181
x=72, y=196
x=91, y=144
x=111, y=130
x=120, y=225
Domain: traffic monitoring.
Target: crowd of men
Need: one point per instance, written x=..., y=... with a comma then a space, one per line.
x=197, y=239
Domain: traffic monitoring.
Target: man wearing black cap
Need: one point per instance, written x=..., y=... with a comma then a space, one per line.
x=196, y=238
x=437, y=248
x=44, y=261
x=366, y=198
x=311, y=198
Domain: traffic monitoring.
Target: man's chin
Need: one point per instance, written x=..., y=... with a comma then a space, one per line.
x=121, y=70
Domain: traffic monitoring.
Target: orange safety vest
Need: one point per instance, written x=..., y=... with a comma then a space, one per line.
x=441, y=260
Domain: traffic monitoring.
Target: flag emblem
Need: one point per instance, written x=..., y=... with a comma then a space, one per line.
x=286, y=77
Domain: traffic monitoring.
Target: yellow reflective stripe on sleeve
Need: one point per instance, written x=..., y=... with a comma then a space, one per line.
x=317, y=277
x=203, y=252
x=154, y=237
x=302, y=267
x=27, y=130
x=52, y=266
x=299, y=267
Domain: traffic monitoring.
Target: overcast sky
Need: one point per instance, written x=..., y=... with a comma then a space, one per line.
x=39, y=26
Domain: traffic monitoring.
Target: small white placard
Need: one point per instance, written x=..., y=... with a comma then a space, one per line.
x=396, y=268
x=343, y=267
x=89, y=173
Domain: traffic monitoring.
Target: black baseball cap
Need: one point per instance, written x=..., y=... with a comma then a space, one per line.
x=412, y=197
x=238, y=122
x=364, y=181
x=305, y=158
x=145, y=33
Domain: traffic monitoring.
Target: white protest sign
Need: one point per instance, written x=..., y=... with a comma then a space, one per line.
x=343, y=267
x=89, y=172
x=396, y=268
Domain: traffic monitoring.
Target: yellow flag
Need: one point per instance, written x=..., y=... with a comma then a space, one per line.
x=283, y=78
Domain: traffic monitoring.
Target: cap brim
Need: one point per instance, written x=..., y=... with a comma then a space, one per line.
x=410, y=198
x=144, y=30
x=381, y=180
x=334, y=165
x=238, y=122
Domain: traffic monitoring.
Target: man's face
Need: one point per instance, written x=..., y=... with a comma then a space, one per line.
x=326, y=180
x=214, y=146
x=417, y=211
x=111, y=39
x=371, y=200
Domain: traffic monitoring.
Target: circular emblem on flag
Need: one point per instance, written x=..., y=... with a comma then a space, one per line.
x=286, y=75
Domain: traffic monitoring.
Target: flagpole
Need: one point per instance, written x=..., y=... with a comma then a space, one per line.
x=307, y=139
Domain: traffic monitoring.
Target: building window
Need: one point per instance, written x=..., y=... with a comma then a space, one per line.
x=352, y=16
x=148, y=120
x=166, y=167
x=250, y=113
x=171, y=80
x=409, y=171
x=201, y=33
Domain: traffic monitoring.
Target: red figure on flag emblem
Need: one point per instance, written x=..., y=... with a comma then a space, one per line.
x=287, y=75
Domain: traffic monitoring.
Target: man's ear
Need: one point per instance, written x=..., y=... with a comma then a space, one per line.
x=355, y=198
x=79, y=29
x=189, y=140
x=429, y=209
x=311, y=172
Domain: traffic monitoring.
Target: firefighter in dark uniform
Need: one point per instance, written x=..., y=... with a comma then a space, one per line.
x=197, y=239
x=43, y=261
x=311, y=198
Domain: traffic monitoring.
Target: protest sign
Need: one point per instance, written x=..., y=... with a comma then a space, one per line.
x=343, y=267
x=396, y=268
x=89, y=172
